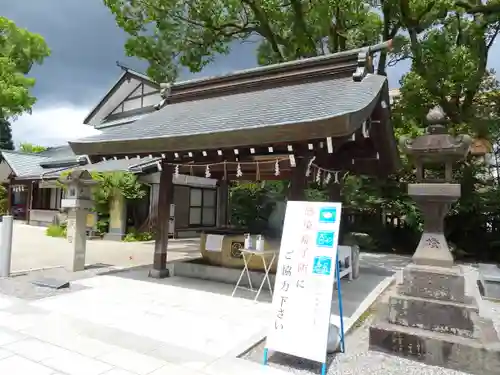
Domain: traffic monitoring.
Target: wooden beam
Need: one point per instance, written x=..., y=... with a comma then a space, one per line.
x=165, y=198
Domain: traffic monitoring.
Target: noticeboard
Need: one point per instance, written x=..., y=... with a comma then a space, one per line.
x=304, y=280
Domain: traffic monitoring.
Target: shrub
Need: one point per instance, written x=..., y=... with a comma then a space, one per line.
x=54, y=230
x=134, y=236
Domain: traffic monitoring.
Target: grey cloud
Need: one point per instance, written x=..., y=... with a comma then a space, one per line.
x=86, y=43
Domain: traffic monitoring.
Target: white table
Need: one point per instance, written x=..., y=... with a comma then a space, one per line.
x=247, y=255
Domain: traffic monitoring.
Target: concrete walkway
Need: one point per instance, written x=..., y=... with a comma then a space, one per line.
x=32, y=249
x=120, y=326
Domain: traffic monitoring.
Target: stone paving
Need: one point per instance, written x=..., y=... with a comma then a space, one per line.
x=122, y=322
x=120, y=326
x=126, y=324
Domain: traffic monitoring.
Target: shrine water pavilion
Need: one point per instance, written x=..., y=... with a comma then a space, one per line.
x=267, y=123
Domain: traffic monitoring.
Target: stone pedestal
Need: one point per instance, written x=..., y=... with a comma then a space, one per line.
x=434, y=202
x=431, y=319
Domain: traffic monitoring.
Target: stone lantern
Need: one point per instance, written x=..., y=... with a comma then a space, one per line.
x=432, y=316
x=78, y=201
x=434, y=194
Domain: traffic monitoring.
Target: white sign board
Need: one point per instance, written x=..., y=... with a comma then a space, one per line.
x=304, y=280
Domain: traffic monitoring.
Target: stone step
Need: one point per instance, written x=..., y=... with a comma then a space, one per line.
x=437, y=349
x=445, y=284
x=434, y=315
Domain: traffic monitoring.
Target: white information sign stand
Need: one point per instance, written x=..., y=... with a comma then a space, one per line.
x=304, y=285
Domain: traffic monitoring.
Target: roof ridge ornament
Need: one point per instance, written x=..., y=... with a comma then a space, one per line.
x=166, y=90
x=361, y=70
x=365, y=60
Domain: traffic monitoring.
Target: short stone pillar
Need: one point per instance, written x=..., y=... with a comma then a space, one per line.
x=78, y=202
x=433, y=317
x=117, y=217
x=355, y=261
x=6, y=228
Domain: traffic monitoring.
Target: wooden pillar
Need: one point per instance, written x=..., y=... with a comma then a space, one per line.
x=298, y=180
x=165, y=198
x=32, y=188
x=335, y=195
x=223, y=203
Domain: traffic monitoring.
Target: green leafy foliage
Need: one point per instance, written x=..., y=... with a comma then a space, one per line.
x=3, y=200
x=109, y=185
x=176, y=34
x=54, y=230
x=30, y=148
x=135, y=236
x=5, y=135
x=102, y=225
x=252, y=203
x=447, y=44
x=19, y=51
x=112, y=183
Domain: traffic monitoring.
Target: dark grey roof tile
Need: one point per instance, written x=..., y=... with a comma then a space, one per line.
x=26, y=166
x=121, y=165
x=299, y=103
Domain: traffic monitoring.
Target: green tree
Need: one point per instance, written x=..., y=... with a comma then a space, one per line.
x=19, y=50
x=174, y=33
x=30, y=148
x=3, y=200
x=447, y=43
x=5, y=135
x=448, y=50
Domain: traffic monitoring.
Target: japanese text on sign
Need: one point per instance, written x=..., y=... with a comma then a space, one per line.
x=304, y=280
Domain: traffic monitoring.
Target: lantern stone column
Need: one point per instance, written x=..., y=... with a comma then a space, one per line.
x=78, y=202
x=430, y=317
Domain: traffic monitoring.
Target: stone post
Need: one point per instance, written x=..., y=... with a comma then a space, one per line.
x=77, y=200
x=117, y=218
x=6, y=227
x=430, y=317
x=77, y=238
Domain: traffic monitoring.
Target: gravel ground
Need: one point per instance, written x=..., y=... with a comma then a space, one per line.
x=358, y=360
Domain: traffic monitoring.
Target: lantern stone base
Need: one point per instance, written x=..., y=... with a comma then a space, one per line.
x=431, y=319
x=434, y=201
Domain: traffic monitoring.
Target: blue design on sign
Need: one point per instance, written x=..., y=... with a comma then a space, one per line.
x=328, y=215
x=324, y=239
x=322, y=265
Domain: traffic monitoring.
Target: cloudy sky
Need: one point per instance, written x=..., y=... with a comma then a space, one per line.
x=86, y=44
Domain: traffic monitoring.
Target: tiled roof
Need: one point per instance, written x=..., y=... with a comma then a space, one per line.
x=133, y=165
x=29, y=166
x=231, y=114
x=59, y=152
x=121, y=121
x=26, y=166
